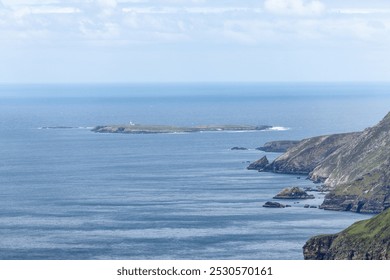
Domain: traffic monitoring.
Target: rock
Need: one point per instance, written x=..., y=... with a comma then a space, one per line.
x=238, y=149
x=317, y=247
x=259, y=165
x=277, y=146
x=271, y=204
x=364, y=240
x=293, y=193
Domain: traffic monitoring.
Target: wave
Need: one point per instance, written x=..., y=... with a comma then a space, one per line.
x=278, y=128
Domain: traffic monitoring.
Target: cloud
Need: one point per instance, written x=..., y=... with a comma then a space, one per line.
x=189, y=10
x=294, y=7
x=352, y=11
x=180, y=21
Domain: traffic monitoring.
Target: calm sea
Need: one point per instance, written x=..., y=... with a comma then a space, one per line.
x=73, y=194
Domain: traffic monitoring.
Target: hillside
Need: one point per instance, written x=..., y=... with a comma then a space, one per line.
x=306, y=155
x=364, y=240
x=359, y=172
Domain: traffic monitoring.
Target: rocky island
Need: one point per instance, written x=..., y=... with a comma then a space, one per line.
x=293, y=193
x=153, y=129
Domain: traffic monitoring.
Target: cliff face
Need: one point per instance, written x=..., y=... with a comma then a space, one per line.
x=358, y=157
x=278, y=146
x=359, y=172
x=305, y=156
x=364, y=240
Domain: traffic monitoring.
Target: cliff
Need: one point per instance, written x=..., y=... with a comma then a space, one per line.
x=364, y=240
x=359, y=172
x=354, y=166
x=305, y=156
x=278, y=146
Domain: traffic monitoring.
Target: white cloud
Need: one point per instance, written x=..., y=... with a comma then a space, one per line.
x=189, y=10
x=360, y=11
x=12, y=3
x=294, y=7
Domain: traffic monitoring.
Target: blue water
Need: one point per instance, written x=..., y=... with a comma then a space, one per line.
x=75, y=194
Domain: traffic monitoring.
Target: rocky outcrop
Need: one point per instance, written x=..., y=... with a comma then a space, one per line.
x=364, y=240
x=317, y=247
x=238, y=149
x=259, y=165
x=271, y=204
x=277, y=146
x=293, y=193
x=305, y=156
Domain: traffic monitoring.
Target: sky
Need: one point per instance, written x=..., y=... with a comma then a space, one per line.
x=108, y=41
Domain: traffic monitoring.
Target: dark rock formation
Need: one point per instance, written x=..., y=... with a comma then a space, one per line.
x=259, y=165
x=238, y=149
x=277, y=146
x=317, y=247
x=364, y=240
x=271, y=204
x=293, y=193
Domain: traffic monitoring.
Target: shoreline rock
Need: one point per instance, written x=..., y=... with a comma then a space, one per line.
x=238, y=149
x=259, y=165
x=293, y=193
x=272, y=204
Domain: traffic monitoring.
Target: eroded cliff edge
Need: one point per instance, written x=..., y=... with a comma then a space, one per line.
x=364, y=240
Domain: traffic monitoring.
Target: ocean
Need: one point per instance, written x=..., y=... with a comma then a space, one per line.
x=69, y=193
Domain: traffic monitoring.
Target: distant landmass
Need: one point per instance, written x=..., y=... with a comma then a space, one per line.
x=149, y=129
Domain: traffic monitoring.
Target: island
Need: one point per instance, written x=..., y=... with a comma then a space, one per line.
x=293, y=193
x=154, y=129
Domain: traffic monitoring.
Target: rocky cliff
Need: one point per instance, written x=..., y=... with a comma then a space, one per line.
x=364, y=240
x=359, y=172
x=355, y=166
x=306, y=155
x=278, y=146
